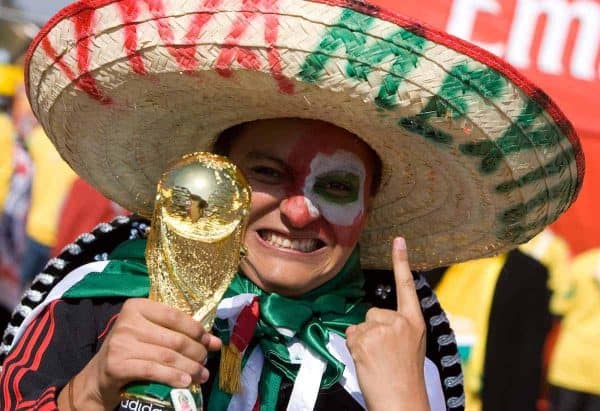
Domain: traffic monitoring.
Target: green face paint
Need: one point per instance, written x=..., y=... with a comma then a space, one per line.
x=338, y=187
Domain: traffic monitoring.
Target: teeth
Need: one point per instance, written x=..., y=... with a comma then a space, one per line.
x=303, y=245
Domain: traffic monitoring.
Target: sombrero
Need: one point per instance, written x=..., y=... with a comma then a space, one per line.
x=475, y=158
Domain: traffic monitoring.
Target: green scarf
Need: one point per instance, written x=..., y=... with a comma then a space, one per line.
x=330, y=308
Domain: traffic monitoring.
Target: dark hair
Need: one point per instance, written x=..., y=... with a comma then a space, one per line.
x=223, y=146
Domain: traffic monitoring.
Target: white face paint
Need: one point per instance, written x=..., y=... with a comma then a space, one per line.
x=342, y=162
x=312, y=209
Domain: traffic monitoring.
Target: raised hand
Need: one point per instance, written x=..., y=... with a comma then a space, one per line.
x=389, y=347
x=148, y=342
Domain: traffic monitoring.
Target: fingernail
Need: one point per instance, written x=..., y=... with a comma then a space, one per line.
x=186, y=379
x=399, y=244
x=205, y=339
x=204, y=375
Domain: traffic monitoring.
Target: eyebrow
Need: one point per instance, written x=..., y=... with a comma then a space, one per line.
x=257, y=155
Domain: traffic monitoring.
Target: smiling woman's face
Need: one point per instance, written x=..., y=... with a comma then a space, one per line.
x=311, y=184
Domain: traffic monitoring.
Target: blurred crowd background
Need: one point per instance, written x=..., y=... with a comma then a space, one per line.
x=527, y=322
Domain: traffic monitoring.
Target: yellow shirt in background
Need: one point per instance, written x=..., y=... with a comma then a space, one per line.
x=6, y=156
x=466, y=292
x=52, y=180
x=575, y=362
x=553, y=252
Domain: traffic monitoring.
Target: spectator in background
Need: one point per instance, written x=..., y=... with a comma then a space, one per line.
x=575, y=365
x=52, y=180
x=554, y=253
x=500, y=311
x=83, y=209
x=23, y=118
x=10, y=76
x=40, y=190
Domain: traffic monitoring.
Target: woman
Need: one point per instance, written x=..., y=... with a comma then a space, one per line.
x=291, y=252
x=473, y=160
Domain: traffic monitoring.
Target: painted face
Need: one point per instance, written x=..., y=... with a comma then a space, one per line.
x=311, y=182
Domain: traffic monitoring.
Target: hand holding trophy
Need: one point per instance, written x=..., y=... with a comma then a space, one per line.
x=195, y=244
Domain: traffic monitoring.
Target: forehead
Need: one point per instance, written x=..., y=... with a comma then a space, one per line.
x=297, y=140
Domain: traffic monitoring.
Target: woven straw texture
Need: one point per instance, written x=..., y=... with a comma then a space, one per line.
x=475, y=159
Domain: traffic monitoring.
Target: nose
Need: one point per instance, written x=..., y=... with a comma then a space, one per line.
x=299, y=210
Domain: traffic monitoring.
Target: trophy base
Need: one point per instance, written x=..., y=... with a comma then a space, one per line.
x=178, y=400
x=130, y=402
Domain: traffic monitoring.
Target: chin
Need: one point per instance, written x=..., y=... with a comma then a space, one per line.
x=285, y=278
x=290, y=272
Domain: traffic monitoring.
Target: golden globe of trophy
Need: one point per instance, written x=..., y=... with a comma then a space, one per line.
x=196, y=239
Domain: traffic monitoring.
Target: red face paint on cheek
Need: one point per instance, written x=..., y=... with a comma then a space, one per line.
x=307, y=148
x=348, y=235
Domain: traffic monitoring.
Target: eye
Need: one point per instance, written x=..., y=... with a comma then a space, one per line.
x=338, y=187
x=267, y=174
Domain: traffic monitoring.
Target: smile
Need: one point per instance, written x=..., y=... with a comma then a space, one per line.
x=304, y=245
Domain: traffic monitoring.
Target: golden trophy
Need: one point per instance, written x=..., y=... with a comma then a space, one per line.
x=194, y=246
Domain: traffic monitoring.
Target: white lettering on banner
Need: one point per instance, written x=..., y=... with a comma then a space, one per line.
x=463, y=16
x=560, y=15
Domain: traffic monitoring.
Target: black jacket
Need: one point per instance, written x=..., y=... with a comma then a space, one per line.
x=67, y=333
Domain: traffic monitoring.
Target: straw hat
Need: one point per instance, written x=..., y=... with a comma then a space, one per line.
x=476, y=159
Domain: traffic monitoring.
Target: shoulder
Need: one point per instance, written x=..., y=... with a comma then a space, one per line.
x=88, y=247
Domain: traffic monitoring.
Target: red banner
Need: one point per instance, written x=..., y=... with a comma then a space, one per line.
x=556, y=44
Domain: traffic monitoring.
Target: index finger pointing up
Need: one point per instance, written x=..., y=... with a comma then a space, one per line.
x=408, y=302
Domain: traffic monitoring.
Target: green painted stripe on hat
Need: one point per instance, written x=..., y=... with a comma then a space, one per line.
x=419, y=125
x=518, y=137
x=557, y=165
x=451, y=101
x=348, y=32
x=405, y=45
x=521, y=234
x=513, y=217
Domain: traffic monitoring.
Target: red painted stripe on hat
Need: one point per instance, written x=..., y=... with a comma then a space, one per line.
x=271, y=33
x=51, y=53
x=38, y=354
x=84, y=25
x=230, y=51
x=185, y=56
x=245, y=325
x=21, y=355
x=85, y=82
x=84, y=30
x=129, y=12
x=195, y=30
x=248, y=59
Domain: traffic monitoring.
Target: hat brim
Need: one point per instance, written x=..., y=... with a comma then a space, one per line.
x=475, y=158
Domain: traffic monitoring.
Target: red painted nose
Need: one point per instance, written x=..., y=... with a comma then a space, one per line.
x=296, y=210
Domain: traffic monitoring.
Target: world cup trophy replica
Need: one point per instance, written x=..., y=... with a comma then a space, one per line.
x=194, y=249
